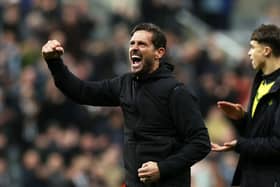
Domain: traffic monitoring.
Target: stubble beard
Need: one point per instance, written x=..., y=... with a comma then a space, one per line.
x=147, y=67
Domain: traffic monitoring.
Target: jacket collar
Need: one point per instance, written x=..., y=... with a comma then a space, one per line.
x=164, y=71
x=271, y=77
x=274, y=76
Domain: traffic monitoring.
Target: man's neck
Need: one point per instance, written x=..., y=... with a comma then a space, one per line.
x=272, y=65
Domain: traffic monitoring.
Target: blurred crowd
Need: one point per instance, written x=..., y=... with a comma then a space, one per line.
x=47, y=140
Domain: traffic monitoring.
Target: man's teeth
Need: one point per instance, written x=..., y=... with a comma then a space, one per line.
x=136, y=59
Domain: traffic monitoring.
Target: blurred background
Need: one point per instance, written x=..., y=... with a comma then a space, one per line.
x=47, y=140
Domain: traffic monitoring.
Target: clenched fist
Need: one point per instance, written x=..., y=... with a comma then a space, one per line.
x=52, y=50
x=149, y=172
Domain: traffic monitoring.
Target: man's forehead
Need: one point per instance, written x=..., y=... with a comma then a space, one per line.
x=141, y=35
x=254, y=43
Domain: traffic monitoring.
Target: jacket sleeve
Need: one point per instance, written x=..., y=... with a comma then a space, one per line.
x=191, y=128
x=262, y=147
x=96, y=93
x=240, y=125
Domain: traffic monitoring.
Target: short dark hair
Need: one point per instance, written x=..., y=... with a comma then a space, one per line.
x=158, y=38
x=268, y=35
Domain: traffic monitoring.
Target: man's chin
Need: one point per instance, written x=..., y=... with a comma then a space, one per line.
x=134, y=72
x=255, y=67
x=140, y=71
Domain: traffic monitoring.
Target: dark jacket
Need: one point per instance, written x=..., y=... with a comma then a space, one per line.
x=162, y=120
x=259, y=141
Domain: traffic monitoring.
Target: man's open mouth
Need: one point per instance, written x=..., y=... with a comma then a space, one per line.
x=136, y=59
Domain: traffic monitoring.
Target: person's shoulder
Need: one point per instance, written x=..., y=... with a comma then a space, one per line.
x=184, y=90
x=124, y=78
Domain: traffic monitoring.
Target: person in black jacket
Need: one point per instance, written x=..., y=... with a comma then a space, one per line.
x=258, y=142
x=164, y=131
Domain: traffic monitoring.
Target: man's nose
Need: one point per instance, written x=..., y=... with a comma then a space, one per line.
x=135, y=47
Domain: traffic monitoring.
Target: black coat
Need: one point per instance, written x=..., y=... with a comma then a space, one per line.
x=162, y=120
x=259, y=141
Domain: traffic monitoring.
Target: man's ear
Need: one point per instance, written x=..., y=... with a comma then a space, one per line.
x=160, y=52
x=267, y=51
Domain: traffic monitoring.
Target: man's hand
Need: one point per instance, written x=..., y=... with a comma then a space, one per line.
x=232, y=110
x=228, y=146
x=52, y=50
x=149, y=172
